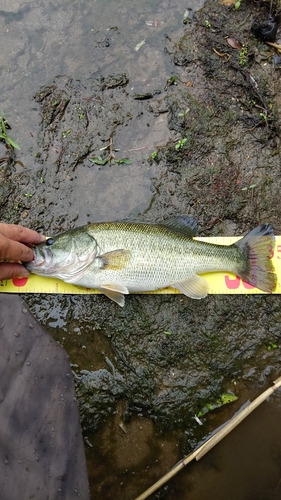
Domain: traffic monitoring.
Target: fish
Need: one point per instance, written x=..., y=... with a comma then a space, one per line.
x=121, y=257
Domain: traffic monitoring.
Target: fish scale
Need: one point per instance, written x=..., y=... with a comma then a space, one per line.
x=179, y=253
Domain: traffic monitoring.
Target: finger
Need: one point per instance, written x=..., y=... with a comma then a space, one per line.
x=9, y=271
x=20, y=233
x=13, y=250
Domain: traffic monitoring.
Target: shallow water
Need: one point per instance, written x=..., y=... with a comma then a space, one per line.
x=83, y=39
x=127, y=455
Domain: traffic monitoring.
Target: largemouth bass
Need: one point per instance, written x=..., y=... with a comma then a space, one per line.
x=122, y=257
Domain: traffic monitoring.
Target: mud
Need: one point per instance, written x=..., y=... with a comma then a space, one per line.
x=77, y=121
x=137, y=383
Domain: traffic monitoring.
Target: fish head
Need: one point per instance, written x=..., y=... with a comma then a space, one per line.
x=65, y=256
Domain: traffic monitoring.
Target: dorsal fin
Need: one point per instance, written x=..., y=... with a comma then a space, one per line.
x=182, y=224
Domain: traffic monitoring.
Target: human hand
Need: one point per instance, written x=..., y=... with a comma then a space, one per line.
x=15, y=244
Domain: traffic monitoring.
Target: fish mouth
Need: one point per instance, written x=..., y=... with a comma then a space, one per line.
x=42, y=259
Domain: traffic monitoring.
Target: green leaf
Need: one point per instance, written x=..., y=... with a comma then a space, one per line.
x=127, y=161
x=167, y=333
x=228, y=398
x=98, y=160
x=4, y=134
x=224, y=399
x=12, y=143
x=139, y=45
x=272, y=346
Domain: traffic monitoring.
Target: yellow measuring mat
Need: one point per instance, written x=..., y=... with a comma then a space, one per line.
x=220, y=282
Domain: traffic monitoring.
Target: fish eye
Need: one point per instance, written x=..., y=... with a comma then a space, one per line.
x=50, y=241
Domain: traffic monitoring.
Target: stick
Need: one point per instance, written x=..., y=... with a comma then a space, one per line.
x=278, y=47
x=215, y=439
x=222, y=54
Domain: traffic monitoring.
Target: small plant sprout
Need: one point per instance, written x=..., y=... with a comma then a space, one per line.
x=99, y=160
x=154, y=155
x=183, y=113
x=110, y=158
x=246, y=188
x=243, y=54
x=252, y=102
x=180, y=143
x=28, y=195
x=3, y=133
x=171, y=81
x=237, y=4
x=125, y=161
x=250, y=191
x=207, y=23
x=272, y=346
x=66, y=133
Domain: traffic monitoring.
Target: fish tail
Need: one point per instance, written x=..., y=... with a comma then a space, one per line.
x=257, y=249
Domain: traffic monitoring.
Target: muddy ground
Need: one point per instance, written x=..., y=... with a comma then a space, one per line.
x=136, y=383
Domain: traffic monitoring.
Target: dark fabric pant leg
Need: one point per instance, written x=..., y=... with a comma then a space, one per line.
x=41, y=446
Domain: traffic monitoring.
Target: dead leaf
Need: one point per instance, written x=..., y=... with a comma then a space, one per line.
x=234, y=43
x=228, y=2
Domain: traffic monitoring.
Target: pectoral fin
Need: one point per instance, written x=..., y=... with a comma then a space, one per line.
x=115, y=260
x=115, y=293
x=194, y=287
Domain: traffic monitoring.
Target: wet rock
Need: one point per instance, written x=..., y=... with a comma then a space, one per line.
x=4, y=193
x=265, y=30
x=186, y=51
x=166, y=377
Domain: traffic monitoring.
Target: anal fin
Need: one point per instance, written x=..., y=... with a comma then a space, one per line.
x=194, y=287
x=115, y=292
